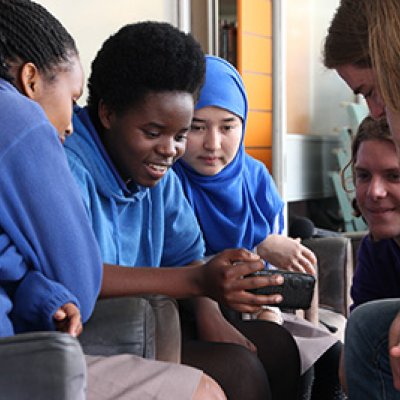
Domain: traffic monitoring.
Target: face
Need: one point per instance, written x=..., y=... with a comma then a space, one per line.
x=377, y=179
x=362, y=81
x=145, y=141
x=58, y=95
x=213, y=141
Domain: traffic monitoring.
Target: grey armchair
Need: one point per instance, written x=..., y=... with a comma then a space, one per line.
x=42, y=365
x=51, y=365
x=335, y=274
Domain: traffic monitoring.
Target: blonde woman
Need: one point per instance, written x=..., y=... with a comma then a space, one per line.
x=363, y=46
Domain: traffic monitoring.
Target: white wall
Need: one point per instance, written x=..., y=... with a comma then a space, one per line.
x=314, y=94
x=90, y=22
x=314, y=97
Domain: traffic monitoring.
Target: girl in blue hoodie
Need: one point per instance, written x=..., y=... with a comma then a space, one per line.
x=143, y=85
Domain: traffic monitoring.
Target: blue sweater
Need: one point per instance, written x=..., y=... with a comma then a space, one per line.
x=48, y=254
x=135, y=226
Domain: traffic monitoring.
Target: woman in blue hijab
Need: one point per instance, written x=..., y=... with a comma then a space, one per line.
x=237, y=205
x=234, y=196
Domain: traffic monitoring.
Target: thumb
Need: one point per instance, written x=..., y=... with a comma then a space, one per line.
x=60, y=315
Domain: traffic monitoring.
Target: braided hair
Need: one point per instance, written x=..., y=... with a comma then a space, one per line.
x=29, y=33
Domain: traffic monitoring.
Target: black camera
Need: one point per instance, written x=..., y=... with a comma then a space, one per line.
x=297, y=289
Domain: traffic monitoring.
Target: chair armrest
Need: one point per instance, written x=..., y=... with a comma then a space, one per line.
x=356, y=238
x=120, y=325
x=168, y=328
x=147, y=326
x=42, y=365
x=335, y=271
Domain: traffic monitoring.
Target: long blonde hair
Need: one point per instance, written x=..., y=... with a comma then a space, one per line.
x=347, y=39
x=383, y=17
x=366, y=33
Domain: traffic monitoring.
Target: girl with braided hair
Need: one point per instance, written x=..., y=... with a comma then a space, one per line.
x=51, y=269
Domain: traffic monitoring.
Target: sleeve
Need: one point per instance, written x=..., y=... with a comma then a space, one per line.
x=12, y=264
x=183, y=240
x=82, y=178
x=36, y=299
x=367, y=275
x=43, y=214
x=268, y=197
x=276, y=205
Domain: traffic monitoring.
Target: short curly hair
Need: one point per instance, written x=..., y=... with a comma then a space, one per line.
x=142, y=58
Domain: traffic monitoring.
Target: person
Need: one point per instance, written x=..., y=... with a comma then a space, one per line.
x=142, y=87
x=248, y=212
x=362, y=46
x=375, y=169
x=39, y=272
x=51, y=267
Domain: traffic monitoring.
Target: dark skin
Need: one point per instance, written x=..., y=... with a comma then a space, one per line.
x=221, y=279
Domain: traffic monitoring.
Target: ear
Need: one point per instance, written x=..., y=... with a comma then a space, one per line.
x=29, y=80
x=106, y=115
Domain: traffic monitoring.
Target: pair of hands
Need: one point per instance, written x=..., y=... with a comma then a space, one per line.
x=226, y=279
x=68, y=319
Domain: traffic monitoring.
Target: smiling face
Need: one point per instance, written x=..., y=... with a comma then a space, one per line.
x=362, y=81
x=377, y=181
x=145, y=141
x=213, y=141
x=56, y=96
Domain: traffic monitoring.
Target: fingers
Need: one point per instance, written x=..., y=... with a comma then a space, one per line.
x=303, y=261
x=68, y=319
x=75, y=326
x=245, y=301
x=254, y=302
x=394, y=353
x=238, y=269
x=309, y=255
x=59, y=315
x=302, y=265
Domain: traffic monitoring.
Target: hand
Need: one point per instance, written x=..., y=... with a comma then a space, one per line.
x=394, y=350
x=224, y=279
x=272, y=314
x=68, y=319
x=286, y=253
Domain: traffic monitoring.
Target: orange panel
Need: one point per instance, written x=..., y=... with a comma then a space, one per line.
x=259, y=90
x=264, y=155
x=239, y=37
x=256, y=53
x=256, y=16
x=259, y=129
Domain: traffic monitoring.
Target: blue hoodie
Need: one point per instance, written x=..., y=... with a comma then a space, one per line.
x=48, y=254
x=134, y=226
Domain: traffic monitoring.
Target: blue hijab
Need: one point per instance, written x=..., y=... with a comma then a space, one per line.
x=239, y=206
